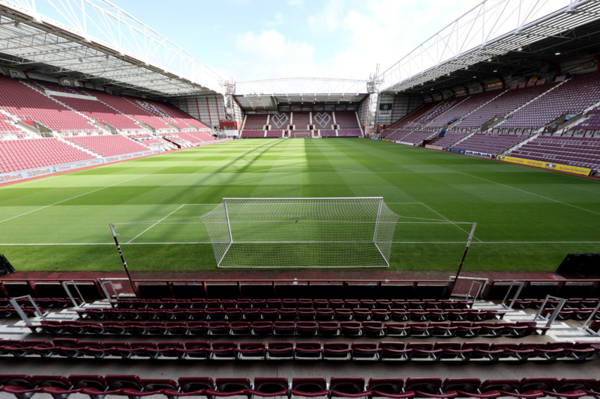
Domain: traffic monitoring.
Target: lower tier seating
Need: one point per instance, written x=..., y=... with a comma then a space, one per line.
x=393, y=351
x=491, y=143
x=464, y=329
x=290, y=314
x=37, y=153
x=133, y=386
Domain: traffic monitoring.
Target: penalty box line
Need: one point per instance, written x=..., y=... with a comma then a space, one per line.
x=155, y=223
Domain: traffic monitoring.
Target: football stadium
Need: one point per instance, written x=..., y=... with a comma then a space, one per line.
x=430, y=230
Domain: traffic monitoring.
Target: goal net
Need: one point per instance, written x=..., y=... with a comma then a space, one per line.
x=301, y=232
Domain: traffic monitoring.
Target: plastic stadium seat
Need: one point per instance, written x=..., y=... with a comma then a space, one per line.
x=270, y=388
x=336, y=351
x=192, y=386
x=94, y=386
x=198, y=349
x=21, y=386
x=424, y=386
x=224, y=351
x=232, y=387
x=280, y=351
x=252, y=351
x=309, y=388
x=463, y=386
x=388, y=388
x=58, y=386
x=365, y=351
x=309, y=351
x=394, y=351
x=348, y=388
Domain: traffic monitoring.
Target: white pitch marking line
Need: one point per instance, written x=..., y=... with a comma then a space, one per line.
x=445, y=218
x=70, y=198
x=532, y=193
x=155, y=223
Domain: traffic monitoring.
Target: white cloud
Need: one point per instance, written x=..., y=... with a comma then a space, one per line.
x=270, y=54
x=327, y=18
x=295, y=3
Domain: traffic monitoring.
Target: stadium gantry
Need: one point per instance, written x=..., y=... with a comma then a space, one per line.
x=369, y=175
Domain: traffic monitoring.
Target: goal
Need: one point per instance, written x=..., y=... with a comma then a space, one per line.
x=301, y=232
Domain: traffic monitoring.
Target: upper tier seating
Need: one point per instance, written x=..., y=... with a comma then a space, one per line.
x=407, y=119
x=255, y=122
x=36, y=153
x=301, y=120
x=465, y=107
x=346, y=120
x=128, y=107
x=100, y=112
x=572, y=97
x=491, y=143
x=576, y=151
x=108, y=145
x=322, y=120
x=280, y=121
x=502, y=105
x=133, y=386
x=433, y=112
x=30, y=105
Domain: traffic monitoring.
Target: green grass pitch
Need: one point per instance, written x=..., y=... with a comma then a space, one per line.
x=528, y=219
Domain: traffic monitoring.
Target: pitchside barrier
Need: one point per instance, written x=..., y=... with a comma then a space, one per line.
x=301, y=232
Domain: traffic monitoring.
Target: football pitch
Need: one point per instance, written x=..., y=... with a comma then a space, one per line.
x=528, y=219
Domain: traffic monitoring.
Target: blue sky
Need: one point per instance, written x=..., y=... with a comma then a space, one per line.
x=259, y=39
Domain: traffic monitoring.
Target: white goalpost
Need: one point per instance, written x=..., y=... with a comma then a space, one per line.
x=314, y=232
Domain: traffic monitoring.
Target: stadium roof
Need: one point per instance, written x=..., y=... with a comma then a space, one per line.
x=94, y=40
x=269, y=94
x=487, y=32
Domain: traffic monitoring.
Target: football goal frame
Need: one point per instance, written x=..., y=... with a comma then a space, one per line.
x=301, y=232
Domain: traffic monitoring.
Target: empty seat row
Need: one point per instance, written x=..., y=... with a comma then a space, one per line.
x=573, y=313
x=290, y=314
x=465, y=329
x=530, y=303
x=201, y=303
x=357, y=351
x=134, y=387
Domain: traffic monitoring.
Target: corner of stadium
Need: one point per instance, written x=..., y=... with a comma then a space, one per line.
x=429, y=231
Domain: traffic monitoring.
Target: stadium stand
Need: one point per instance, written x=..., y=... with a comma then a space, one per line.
x=490, y=143
x=128, y=107
x=501, y=106
x=31, y=107
x=36, y=153
x=576, y=151
x=108, y=145
x=464, y=108
x=254, y=125
x=561, y=100
x=347, y=124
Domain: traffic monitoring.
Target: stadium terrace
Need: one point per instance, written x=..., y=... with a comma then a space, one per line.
x=429, y=231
